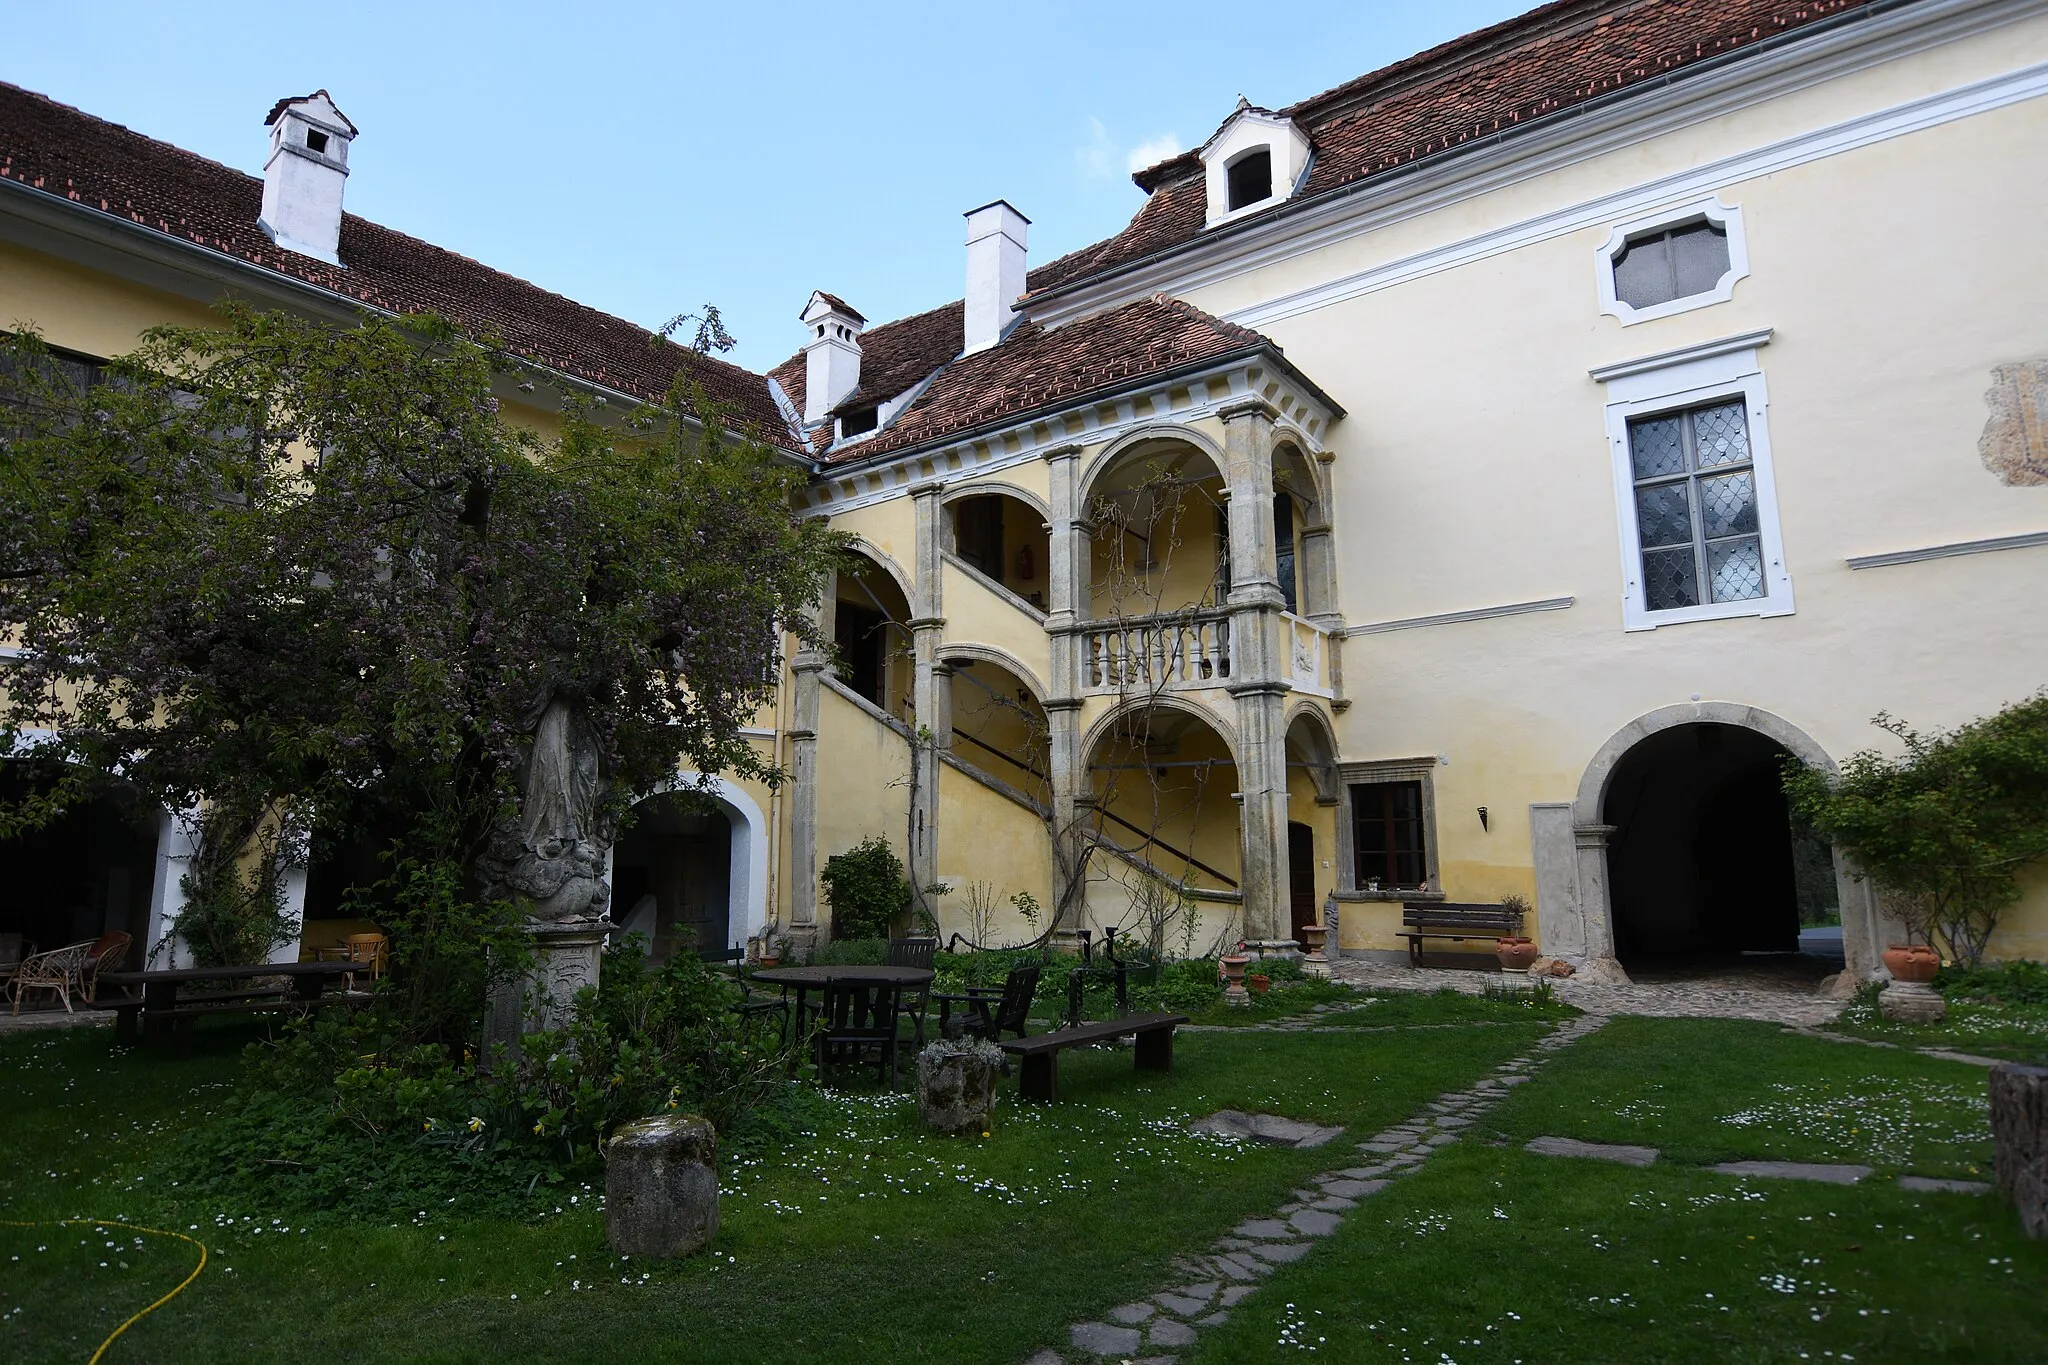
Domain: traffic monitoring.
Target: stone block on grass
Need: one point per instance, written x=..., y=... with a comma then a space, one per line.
x=2019, y=1129
x=661, y=1186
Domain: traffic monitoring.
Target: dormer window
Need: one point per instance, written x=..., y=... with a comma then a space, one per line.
x=1249, y=179
x=1686, y=258
x=1255, y=161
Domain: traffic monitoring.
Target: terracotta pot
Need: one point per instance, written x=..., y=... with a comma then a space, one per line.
x=1515, y=953
x=1313, y=937
x=1911, y=961
x=1259, y=982
x=1233, y=968
x=769, y=960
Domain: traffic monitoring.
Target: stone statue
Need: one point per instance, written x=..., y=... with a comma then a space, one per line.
x=551, y=858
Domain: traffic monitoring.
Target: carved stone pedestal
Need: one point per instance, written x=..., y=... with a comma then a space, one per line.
x=1912, y=1002
x=566, y=958
x=661, y=1186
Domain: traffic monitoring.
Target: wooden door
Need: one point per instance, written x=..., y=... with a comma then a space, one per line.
x=1301, y=876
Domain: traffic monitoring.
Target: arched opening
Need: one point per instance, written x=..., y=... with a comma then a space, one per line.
x=1004, y=539
x=999, y=727
x=1300, y=534
x=1249, y=178
x=1704, y=867
x=89, y=872
x=1312, y=791
x=1161, y=533
x=871, y=629
x=672, y=875
x=1164, y=787
x=342, y=860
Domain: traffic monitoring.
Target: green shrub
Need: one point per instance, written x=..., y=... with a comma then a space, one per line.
x=2023, y=983
x=866, y=889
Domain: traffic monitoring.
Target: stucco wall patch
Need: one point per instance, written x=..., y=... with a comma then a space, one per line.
x=2014, y=445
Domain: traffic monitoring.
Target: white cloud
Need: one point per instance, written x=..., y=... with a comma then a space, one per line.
x=1101, y=155
x=1152, y=151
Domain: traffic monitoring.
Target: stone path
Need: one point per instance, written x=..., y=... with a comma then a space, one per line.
x=1704, y=998
x=34, y=1019
x=1208, y=1284
x=1825, y=1173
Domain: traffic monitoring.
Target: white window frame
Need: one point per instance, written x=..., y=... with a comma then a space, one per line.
x=1727, y=217
x=1691, y=378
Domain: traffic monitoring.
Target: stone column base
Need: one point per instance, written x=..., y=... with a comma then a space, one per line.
x=566, y=959
x=1286, y=948
x=1912, y=1002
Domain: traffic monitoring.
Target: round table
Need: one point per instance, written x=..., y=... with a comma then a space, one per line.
x=807, y=978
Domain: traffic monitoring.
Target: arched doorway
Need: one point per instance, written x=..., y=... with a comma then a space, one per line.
x=91, y=871
x=1657, y=807
x=1004, y=539
x=672, y=875
x=871, y=631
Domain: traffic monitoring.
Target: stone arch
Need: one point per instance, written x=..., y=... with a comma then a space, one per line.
x=1575, y=910
x=1106, y=724
x=982, y=488
x=867, y=549
x=1166, y=432
x=1003, y=659
x=1309, y=728
x=747, y=875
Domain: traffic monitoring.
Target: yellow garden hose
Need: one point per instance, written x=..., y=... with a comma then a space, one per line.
x=154, y=1232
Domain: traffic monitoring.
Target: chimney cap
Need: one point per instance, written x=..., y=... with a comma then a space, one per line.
x=833, y=303
x=997, y=203
x=277, y=110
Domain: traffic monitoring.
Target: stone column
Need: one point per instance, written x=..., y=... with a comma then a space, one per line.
x=807, y=670
x=1067, y=577
x=1258, y=673
x=1596, y=912
x=931, y=690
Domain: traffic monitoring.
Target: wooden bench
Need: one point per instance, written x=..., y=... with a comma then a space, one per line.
x=1040, y=1077
x=1444, y=919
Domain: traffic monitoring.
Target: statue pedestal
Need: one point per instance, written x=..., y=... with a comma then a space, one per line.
x=566, y=957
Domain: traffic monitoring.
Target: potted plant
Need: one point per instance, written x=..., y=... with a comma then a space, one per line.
x=1911, y=962
x=771, y=953
x=1259, y=982
x=1515, y=951
x=1313, y=938
x=1233, y=967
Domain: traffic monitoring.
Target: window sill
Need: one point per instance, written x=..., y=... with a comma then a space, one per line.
x=1384, y=896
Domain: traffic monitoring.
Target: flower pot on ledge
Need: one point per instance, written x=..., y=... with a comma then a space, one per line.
x=1914, y=963
x=1515, y=952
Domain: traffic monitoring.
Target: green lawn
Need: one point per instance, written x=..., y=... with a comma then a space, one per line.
x=1981, y=1028
x=1495, y=1255
x=866, y=1240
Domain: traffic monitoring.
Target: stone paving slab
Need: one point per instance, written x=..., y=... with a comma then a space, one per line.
x=1101, y=1339
x=1927, y=1184
x=1795, y=1170
x=1596, y=1151
x=1701, y=999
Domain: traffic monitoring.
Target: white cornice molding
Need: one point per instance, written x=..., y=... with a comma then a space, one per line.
x=1453, y=618
x=1100, y=419
x=1502, y=161
x=1684, y=355
x=2029, y=540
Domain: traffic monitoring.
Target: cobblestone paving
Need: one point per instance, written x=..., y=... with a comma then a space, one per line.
x=1208, y=1284
x=1726, y=996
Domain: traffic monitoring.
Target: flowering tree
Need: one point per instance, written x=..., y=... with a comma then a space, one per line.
x=313, y=577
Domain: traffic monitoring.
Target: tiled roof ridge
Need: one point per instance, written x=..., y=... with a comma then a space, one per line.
x=727, y=383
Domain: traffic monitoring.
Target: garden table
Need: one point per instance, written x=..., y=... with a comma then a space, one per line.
x=159, y=999
x=803, y=980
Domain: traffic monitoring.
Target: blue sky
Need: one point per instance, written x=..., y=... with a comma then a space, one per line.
x=646, y=158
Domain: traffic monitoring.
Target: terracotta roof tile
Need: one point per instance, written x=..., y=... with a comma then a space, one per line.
x=71, y=155
x=1496, y=79
x=1034, y=368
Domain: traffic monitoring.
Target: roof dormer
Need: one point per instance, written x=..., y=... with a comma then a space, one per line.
x=1254, y=161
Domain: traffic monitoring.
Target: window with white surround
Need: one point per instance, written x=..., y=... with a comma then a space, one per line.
x=1684, y=258
x=1694, y=486
x=1255, y=160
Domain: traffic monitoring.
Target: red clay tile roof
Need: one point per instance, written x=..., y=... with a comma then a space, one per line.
x=71, y=155
x=1499, y=78
x=1035, y=368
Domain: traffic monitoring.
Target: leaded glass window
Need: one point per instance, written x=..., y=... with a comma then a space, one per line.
x=1696, y=507
x=1671, y=263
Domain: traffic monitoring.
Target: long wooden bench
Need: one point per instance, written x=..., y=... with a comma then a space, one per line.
x=1454, y=920
x=1039, y=1079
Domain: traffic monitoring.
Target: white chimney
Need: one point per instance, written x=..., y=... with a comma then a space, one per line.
x=304, y=175
x=995, y=272
x=831, y=354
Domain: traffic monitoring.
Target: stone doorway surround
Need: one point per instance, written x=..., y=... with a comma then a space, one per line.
x=1574, y=909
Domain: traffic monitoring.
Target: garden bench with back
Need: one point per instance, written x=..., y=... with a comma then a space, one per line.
x=1456, y=921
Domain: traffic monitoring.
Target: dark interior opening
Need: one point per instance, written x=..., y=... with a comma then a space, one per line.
x=1250, y=178
x=861, y=634
x=88, y=872
x=859, y=421
x=316, y=140
x=1703, y=861
x=672, y=876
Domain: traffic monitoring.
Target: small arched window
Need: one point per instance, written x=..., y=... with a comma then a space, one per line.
x=1250, y=178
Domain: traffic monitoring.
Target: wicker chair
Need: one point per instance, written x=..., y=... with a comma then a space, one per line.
x=109, y=951
x=61, y=970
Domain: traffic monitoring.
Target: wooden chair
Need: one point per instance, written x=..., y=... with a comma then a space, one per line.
x=109, y=951
x=371, y=949
x=61, y=970
x=752, y=1006
x=856, y=1016
x=993, y=1012
x=914, y=952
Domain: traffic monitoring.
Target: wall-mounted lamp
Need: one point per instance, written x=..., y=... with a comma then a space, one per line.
x=1482, y=819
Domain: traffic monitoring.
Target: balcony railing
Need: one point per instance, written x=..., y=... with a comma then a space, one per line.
x=1180, y=649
